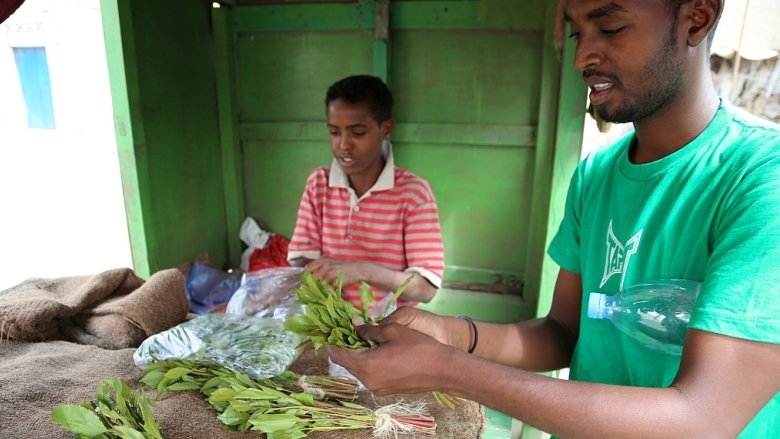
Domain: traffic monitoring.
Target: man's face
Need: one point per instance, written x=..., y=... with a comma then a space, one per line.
x=629, y=56
x=356, y=137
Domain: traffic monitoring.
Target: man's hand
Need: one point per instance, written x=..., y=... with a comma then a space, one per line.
x=327, y=269
x=413, y=358
x=451, y=331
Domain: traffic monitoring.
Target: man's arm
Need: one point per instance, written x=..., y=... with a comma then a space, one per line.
x=722, y=382
x=541, y=344
x=299, y=262
x=327, y=269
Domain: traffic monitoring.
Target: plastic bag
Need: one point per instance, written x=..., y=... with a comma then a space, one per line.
x=258, y=347
x=266, y=293
x=274, y=254
x=208, y=288
x=377, y=309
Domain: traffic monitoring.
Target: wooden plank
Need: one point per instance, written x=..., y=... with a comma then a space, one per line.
x=540, y=201
x=466, y=134
x=452, y=134
x=494, y=308
x=129, y=129
x=568, y=148
x=446, y=14
x=300, y=17
x=230, y=145
x=381, y=61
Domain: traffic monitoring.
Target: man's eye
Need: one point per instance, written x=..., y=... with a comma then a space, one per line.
x=358, y=134
x=334, y=133
x=611, y=32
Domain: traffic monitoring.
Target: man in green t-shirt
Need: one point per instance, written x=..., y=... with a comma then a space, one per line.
x=693, y=193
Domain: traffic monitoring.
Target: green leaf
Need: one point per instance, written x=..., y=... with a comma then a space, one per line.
x=300, y=325
x=153, y=378
x=176, y=373
x=304, y=398
x=223, y=394
x=232, y=417
x=339, y=283
x=180, y=387
x=78, y=420
x=272, y=423
x=128, y=433
x=366, y=299
x=213, y=382
x=352, y=405
x=255, y=394
x=398, y=293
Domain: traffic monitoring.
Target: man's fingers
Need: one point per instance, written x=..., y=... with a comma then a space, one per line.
x=377, y=333
x=341, y=354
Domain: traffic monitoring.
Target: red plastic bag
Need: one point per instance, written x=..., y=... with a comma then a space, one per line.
x=274, y=254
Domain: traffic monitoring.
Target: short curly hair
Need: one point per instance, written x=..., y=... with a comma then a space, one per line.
x=363, y=88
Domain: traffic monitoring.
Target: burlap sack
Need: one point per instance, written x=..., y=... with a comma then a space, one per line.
x=36, y=377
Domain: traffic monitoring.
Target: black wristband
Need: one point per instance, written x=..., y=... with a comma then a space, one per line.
x=476, y=333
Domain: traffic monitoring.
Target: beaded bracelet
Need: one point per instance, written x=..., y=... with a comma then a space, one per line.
x=476, y=333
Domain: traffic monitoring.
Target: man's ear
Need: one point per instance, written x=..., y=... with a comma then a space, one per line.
x=701, y=16
x=387, y=128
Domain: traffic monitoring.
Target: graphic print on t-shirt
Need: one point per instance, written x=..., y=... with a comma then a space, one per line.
x=618, y=255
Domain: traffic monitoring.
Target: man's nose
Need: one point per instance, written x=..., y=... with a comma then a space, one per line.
x=588, y=53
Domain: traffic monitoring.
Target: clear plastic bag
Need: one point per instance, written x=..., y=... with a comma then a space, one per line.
x=258, y=347
x=266, y=293
x=377, y=309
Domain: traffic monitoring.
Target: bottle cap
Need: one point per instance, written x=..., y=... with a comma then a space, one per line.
x=596, y=303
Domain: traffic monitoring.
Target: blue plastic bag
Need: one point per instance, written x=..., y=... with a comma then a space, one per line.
x=208, y=288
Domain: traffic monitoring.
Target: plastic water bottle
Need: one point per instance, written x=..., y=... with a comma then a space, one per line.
x=655, y=313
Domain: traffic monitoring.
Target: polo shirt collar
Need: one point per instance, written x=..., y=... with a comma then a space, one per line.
x=386, y=178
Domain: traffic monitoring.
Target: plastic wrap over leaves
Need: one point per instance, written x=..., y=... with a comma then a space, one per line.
x=268, y=293
x=258, y=347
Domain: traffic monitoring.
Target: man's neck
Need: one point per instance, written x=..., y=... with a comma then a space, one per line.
x=361, y=183
x=683, y=121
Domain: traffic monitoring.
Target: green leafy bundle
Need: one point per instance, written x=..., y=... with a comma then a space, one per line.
x=328, y=319
x=117, y=412
x=280, y=407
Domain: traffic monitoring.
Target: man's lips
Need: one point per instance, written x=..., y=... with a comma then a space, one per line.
x=601, y=87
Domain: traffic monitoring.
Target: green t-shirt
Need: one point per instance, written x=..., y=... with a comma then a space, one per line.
x=708, y=212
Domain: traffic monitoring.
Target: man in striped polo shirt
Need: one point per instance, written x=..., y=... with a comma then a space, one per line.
x=362, y=216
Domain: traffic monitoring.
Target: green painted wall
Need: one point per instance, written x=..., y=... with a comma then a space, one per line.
x=163, y=86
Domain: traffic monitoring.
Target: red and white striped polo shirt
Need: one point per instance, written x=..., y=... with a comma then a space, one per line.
x=395, y=224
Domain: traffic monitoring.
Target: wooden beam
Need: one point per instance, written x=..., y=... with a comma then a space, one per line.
x=381, y=61
x=548, y=108
x=406, y=15
x=129, y=129
x=230, y=143
x=522, y=136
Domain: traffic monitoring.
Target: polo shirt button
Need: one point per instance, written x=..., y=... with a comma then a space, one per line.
x=356, y=208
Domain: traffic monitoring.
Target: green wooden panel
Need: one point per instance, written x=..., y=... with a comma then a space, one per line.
x=128, y=127
x=548, y=107
x=472, y=77
x=296, y=17
x=474, y=14
x=230, y=144
x=494, y=308
x=275, y=174
x=504, y=15
x=172, y=97
x=451, y=134
x=482, y=193
x=568, y=146
x=284, y=76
